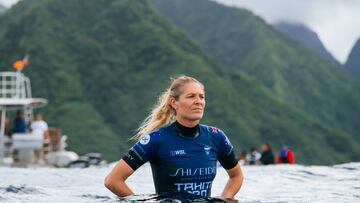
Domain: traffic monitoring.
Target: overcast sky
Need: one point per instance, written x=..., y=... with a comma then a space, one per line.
x=335, y=21
x=7, y=3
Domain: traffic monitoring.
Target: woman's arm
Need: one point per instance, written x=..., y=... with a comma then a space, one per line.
x=115, y=181
x=234, y=183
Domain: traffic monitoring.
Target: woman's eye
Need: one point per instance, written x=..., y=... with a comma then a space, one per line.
x=193, y=96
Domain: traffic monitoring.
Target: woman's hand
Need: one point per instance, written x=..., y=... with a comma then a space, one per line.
x=115, y=181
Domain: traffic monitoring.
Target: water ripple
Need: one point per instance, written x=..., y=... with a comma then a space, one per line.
x=20, y=189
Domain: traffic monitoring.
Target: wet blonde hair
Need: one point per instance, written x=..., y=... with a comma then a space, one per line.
x=162, y=113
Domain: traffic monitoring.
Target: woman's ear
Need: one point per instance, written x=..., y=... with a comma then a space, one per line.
x=173, y=103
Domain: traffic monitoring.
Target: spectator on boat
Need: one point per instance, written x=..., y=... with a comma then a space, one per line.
x=7, y=127
x=286, y=156
x=182, y=153
x=19, y=122
x=267, y=156
x=253, y=158
x=40, y=128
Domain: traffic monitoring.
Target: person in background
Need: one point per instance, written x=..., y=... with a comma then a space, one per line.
x=39, y=127
x=267, y=156
x=19, y=123
x=253, y=158
x=242, y=157
x=19, y=127
x=286, y=156
x=7, y=129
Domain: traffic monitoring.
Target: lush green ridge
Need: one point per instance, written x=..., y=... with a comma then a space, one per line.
x=102, y=63
x=241, y=41
x=305, y=36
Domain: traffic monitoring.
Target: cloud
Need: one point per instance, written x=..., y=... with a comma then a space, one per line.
x=335, y=22
x=8, y=3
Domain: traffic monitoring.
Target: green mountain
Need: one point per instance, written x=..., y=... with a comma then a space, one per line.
x=102, y=63
x=241, y=41
x=304, y=35
x=352, y=64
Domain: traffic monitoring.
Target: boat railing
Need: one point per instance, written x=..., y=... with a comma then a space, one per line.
x=14, y=85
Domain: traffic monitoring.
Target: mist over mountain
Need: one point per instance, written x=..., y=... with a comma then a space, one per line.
x=305, y=36
x=2, y=8
x=352, y=65
x=102, y=64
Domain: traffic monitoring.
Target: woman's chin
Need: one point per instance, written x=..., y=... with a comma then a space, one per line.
x=196, y=117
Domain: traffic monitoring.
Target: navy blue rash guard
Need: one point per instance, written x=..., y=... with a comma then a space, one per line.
x=181, y=163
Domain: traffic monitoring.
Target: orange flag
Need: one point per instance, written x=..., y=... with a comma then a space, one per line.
x=21, y=64
x=18, y=65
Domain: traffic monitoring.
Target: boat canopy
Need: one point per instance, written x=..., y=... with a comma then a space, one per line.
x=15, y=103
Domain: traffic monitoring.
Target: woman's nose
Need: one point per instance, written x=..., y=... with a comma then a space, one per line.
x=198, y=100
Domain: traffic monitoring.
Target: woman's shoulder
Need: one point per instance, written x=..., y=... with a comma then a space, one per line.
x=219, y=137
x=150, y=138
x=211, y=129
x=157, y=134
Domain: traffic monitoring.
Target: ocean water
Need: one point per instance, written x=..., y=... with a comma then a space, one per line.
x=270, y=184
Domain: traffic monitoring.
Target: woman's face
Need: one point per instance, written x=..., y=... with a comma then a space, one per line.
x=191, y=103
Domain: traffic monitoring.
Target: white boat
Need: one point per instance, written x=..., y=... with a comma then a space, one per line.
x=15, y=94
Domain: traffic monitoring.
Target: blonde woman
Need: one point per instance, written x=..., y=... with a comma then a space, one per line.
x=182, y=152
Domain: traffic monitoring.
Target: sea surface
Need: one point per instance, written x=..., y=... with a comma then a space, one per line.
x=270, y=184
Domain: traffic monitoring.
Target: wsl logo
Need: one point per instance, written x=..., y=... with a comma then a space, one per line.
x=177, y=152
x=207, y=150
